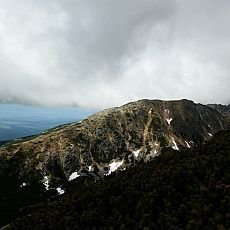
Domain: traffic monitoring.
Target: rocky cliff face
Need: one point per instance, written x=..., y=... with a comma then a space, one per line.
x=224, y=110
x=115, y=137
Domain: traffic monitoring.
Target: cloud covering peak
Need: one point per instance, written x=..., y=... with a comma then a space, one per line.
x=105, y=53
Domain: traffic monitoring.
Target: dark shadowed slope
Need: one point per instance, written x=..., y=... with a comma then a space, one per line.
x=223, y=109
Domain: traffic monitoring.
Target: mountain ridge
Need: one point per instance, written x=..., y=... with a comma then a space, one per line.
x=223, y=109
x=135, y=131
x=41, y=167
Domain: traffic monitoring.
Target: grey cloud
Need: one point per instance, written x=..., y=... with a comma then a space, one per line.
x=105, y=52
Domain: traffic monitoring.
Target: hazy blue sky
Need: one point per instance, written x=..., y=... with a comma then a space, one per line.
x=101, y=53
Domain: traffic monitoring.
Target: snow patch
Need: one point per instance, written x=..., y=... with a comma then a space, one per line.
x=166, y=110
x=152, y=154
x=136, y=152
x=73, y=176
x=46, y=182
x=23, y=184
x=187, y=144
x=60, y=191
x=114, y=166
x=169, y=120
x=175, y=145
x=210, y=134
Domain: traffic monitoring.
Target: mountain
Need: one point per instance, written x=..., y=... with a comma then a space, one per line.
x=37, y=168
x=112, y=138
x=176, y=190
x=221, y=108
x=224, y=110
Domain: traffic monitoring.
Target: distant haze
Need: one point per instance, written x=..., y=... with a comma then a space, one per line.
x=20, y=121
x=101, y=53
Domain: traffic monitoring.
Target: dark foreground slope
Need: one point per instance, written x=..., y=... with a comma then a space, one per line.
x=189, y=189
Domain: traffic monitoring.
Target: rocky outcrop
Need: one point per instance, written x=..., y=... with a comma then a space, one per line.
x=224, y=110
x=135, y=131
x=221, y=108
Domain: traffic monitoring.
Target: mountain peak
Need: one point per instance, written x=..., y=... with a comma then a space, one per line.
x=135, y=131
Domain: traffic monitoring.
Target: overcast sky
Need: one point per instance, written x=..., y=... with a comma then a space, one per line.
x=102, y=53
